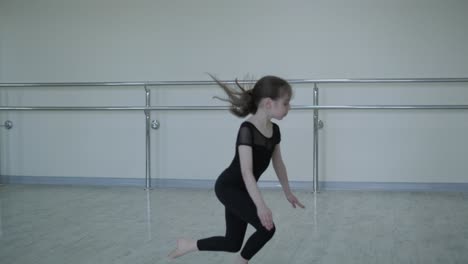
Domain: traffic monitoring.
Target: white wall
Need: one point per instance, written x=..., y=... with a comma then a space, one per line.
x=2, y=39
x=56, y=40
x=72, y=41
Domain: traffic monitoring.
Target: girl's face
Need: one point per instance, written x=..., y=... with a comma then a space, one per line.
x=280, y=107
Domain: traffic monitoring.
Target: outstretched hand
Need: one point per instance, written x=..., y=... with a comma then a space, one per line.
x=294, y=201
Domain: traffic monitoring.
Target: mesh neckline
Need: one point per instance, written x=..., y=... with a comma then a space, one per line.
x=260, y=132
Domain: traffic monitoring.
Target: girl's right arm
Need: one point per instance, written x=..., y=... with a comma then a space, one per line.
x=264, y=213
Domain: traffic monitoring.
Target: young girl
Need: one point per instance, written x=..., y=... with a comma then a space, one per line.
x=258, y=142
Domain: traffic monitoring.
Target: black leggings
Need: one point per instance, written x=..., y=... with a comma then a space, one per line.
x=240, y=211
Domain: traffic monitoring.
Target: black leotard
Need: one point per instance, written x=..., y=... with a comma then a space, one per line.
x=239, y=207
x=262, y=149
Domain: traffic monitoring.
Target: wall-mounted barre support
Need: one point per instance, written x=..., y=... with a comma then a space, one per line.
x=148, y=140
x=8, y=124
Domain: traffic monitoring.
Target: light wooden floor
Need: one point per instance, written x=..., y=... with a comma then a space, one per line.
x=99, y=225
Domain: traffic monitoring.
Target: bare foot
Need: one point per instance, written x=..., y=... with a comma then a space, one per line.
x=184, y=246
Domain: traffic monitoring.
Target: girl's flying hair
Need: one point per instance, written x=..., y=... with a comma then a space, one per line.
x=245, y=101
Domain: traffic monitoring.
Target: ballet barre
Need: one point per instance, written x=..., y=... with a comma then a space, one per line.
x=154, y=124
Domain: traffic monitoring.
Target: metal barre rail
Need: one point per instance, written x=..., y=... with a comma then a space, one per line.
x=183, y=83
x=170, y=108
x=316, y=107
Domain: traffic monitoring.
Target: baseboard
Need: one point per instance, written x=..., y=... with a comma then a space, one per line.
x=208, y=184
x=396, y=186
x=326, y=186
x=92, y=181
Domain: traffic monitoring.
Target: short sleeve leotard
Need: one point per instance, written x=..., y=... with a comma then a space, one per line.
x=262, y=150
x=232, y=193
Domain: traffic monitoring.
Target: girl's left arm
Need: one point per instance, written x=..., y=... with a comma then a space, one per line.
x=282, y=175
x=280, y=169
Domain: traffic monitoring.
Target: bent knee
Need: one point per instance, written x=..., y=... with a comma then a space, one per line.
x=267, y=233
x=272, y=231
x=234, y=247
